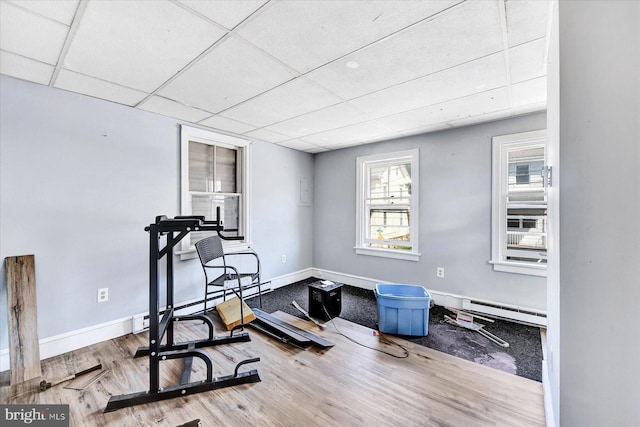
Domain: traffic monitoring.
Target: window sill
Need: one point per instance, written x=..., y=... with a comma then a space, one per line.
x=520, y=268
x=229, y=247
x=387, y=253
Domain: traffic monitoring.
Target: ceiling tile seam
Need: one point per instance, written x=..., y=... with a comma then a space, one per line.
x=27, y=57
x=228, y=33
x=216, y=115
x=211, y=21
x=336, y=128
x=425, y=75
x=253, y=15
x=33, y=12
x=304, y=75
x=284, y=120
x=139, y=105
x=184, y=69
x=71, y=33
x=442, y=102
x=502, y=12
x=104, y=81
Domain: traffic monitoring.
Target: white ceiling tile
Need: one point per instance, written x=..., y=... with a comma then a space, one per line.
x=358, y=132
x=319, y=121
x=62, y=11
x=419, y=118
x=316, y=150
x=222, y=123
x=138, y=44
x=227, y=13
x=24, y=68
x=30, y=35
x=299, y=145
x=477, y=104
x=475, y=76
x=229, y=74
x=462, y=33
x=527, y=61
x=426, y=129
x=292, y=99
x=289, y=29
x=526, y=20
x=266, y=135
x=167, y=107
x=481, y=118
x=86, y=85
x=530, y=108
x=529, y=92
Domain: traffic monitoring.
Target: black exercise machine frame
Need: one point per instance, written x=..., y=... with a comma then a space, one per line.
x=158, y=328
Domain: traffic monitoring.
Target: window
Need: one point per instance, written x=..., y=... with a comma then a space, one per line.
x=519, y=212
x=214, y=174
x=387, y=210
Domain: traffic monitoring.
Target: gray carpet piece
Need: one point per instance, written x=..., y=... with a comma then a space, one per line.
x=523, y=357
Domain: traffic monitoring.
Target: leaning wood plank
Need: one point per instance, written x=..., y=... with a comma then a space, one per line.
x=24, y=348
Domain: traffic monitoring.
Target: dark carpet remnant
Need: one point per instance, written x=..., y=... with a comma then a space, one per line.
x=523, y=357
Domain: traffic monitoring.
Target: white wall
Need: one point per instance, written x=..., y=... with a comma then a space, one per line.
x=80, y=178
x=599, y=274
x=455, y=215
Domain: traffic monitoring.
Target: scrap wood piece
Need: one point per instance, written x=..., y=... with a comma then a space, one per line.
x=477, y=327
x=229, y=312
x=84, y=383
x=464, y=313
x=24, y=346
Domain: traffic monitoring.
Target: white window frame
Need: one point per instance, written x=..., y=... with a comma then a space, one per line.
x=362, y=165
x=501, y=146
x=203, y=136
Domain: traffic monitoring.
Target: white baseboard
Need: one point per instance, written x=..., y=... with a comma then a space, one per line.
x=73, y=340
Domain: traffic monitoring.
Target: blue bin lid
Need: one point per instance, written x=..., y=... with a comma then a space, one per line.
x=400, y=291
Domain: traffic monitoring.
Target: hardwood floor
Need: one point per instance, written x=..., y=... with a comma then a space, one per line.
x=346, y=385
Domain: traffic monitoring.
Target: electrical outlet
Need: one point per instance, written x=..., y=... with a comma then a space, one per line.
x=440, y=272
x=103, y=294
x=284, y=259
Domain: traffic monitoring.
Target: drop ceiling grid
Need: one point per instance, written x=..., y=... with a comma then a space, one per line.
x=30, y=35
x=62, y=11
x=137, y=44
x=419, y=61
x=287, y=29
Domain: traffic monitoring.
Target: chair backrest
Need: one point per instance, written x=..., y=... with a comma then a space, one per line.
x=209, y=249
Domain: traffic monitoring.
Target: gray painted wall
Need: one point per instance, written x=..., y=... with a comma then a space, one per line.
x=599, y=278
x=455, y=215
x=80, y=178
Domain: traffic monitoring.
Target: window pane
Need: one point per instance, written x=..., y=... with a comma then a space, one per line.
x=390, y=181
x=206, y=204
x=212, y=169
x=201, y=167
x=526, y=170
x=225, y=170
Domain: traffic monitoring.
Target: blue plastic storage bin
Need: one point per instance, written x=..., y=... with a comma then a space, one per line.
x=403, y=309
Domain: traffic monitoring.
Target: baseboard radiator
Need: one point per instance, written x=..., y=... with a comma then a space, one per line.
x=508, y=312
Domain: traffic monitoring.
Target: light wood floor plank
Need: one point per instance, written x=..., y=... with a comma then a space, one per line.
x=346, y=385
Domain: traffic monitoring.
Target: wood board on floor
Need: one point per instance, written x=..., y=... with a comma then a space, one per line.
x=24, y=346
